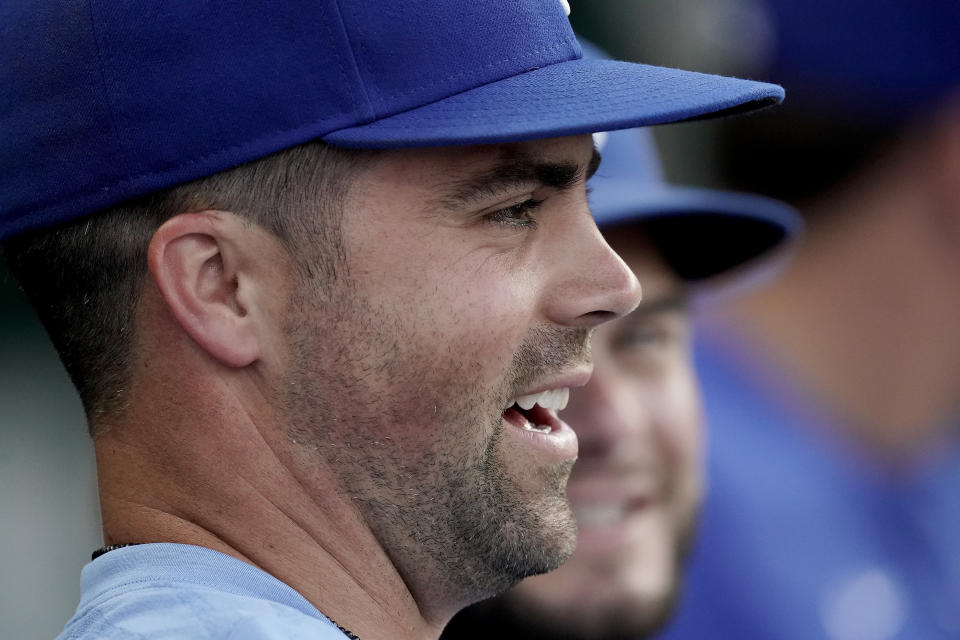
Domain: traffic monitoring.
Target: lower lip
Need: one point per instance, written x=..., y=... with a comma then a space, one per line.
x=560, y=443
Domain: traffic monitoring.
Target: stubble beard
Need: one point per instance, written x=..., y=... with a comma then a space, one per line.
x=630, y=621
x=449, y=513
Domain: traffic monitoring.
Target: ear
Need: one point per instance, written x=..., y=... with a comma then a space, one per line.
x=197, y=262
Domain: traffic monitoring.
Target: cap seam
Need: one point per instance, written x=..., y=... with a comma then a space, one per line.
x=370, y=112
x=101, y=68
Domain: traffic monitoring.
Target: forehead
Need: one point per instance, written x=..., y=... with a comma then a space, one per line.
x=440, y=166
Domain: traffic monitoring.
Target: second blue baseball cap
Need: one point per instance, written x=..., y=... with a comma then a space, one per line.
x=700, y=233
x=867, y=61
x=105, y=101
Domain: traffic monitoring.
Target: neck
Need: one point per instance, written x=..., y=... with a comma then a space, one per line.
x=232, y=482
x=866, y=316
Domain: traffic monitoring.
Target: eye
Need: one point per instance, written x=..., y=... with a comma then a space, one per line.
x=517, y=215
x=641, y=335
x=646, y=340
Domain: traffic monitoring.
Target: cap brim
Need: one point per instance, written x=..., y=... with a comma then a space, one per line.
x=701, y=233
x=567, y=98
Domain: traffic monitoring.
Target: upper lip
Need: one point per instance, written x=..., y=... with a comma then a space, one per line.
x=573, y=378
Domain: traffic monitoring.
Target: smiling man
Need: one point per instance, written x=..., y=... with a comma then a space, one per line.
x=322, y=275
x=637, y=485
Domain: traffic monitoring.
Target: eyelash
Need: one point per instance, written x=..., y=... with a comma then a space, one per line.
x=510, y=216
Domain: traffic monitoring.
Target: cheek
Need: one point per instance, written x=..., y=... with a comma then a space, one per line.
x=676, y=403
x=450, y=336
x=686, y=445
x=477, y=315
x=443, y=284
x=681, y=403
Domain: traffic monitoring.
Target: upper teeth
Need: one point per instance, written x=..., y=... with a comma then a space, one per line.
x=551, y=399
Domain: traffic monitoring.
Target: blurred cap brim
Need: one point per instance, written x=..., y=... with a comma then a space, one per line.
x=701, y=233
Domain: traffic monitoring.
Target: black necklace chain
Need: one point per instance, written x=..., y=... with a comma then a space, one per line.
x=347, y=632
x=110, y=547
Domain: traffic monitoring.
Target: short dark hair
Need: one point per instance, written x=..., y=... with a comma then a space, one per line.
x=84, y=277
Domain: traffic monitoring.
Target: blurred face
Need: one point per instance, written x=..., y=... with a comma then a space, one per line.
x=636, y=486
x=471, y=279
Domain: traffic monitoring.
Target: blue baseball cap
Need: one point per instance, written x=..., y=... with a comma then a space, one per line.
x=701, y=233
x=104, y=101
x=883, y=62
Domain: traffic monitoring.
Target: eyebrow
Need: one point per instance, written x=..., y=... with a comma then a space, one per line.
x=516, y=171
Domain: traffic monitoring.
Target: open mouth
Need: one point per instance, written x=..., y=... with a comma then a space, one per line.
x=537, y=411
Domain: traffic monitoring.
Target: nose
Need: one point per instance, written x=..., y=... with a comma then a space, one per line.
x=591, y=284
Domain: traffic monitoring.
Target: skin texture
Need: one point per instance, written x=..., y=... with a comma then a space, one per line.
x=639, y=424
x=347, y=436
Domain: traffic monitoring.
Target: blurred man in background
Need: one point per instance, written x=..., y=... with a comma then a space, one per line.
x=637, y=484
x=834, y=505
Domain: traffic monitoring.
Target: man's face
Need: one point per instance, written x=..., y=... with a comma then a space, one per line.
x=469, y=277
x=636, y=486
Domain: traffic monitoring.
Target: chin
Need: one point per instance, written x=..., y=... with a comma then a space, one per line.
x=606, y=594
x=536, y=530
x=638, y=617
x=540, y=543
x=597, y=614
x=510, y=527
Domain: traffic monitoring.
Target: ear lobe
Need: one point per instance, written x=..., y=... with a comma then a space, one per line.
x=192, y=262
